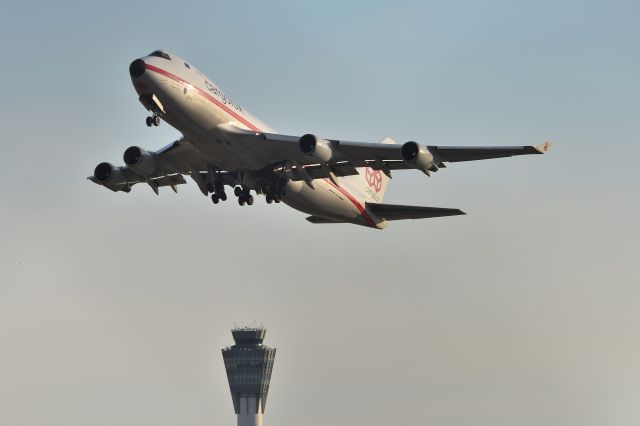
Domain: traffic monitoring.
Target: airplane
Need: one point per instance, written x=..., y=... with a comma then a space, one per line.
x=222, y=144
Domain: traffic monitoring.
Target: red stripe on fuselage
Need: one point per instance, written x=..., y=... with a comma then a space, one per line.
x=206, y=95
x=355, y=202
x=241, y=119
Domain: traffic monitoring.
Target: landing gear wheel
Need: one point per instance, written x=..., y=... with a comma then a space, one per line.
x=269, y=199
x=156, y=120
x=215, y=198
x=237, y=191
x=149, y=121
x=250, y=200
x=222, y=195
x=241, y=201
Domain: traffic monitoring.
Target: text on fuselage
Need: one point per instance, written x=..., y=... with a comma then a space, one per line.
x=220, y=94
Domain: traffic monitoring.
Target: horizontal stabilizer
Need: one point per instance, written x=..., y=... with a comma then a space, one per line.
x=399, y=212
x=318, y=219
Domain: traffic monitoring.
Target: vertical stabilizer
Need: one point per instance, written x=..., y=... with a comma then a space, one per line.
x=375, y=182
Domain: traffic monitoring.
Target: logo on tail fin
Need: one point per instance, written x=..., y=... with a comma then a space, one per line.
x=374, y=179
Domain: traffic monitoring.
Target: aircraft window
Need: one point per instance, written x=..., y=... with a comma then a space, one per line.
x=160, y=54
x=187, y=65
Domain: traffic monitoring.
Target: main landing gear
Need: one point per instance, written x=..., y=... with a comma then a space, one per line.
x=273, y=197
x=218, y=193
x=244, y=195
x=153, y=120
x=216, y=197
x=215, y=186
x=275, y=192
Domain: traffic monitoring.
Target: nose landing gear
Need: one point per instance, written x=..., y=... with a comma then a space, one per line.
x=153, y=120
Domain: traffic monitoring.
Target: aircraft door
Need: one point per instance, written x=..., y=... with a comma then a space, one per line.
x=187, y=92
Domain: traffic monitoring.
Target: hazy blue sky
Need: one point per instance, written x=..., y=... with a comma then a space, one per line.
x=114, y=307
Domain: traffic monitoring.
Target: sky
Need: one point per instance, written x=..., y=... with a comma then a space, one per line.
x=114, y=307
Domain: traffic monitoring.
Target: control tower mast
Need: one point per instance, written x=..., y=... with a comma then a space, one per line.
x=249, y=364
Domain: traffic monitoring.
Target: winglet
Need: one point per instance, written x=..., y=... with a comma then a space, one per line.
x=543, y=148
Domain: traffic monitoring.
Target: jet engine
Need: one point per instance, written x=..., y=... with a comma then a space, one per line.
x=418, y=156
x=314, y=147
x=107, y=172
x=140, y=161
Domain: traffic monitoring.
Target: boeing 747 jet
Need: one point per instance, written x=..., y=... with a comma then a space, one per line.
x=222, y=144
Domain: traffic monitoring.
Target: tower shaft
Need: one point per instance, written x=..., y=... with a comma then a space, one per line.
x=249, y=411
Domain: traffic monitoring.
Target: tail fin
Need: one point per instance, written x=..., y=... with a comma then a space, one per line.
x=375, y=182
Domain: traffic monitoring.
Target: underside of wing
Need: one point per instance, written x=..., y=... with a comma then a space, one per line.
x=322, y=157
x=164, y=167
x=399, y=212
x=470, y=153
x=266, y=158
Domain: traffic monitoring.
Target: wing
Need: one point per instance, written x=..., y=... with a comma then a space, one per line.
x=342, y=157
x=455, y=154
x=298, y=157
x=168, y=166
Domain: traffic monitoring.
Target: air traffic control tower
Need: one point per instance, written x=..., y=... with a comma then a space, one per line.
x=249, y=364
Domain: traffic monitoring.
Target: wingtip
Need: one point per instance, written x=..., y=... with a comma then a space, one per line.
x=543, y=148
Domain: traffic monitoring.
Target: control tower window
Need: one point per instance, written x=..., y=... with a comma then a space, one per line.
x=160, y=54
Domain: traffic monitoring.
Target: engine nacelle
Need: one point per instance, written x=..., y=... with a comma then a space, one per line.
x=140, y=161
x=319, y=149
x=106, y=173
x=418, y=156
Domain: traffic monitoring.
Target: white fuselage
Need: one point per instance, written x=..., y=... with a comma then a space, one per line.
x=195, y=106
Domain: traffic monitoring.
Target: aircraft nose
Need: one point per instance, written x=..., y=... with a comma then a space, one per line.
x=137, y=67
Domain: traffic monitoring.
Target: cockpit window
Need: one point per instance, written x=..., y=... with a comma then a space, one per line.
x=160, y=54
x=187, y=65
